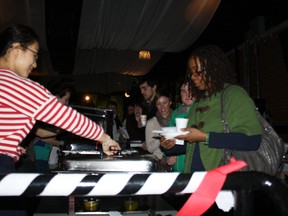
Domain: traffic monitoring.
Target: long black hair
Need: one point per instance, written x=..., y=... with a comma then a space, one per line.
x=18, y=33
x=217, y=67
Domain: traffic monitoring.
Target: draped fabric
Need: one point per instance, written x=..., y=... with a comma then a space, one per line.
x=164, y=25
x=112, y=32
x=119, y=29
x=118, y=61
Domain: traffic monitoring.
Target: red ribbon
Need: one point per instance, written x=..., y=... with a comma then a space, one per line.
x=204, y=197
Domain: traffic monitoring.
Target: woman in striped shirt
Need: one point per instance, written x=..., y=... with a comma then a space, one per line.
x=23, y=101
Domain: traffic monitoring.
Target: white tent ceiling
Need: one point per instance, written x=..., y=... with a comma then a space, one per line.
x=111, y=32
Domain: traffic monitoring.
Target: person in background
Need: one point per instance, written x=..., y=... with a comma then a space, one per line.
x=130, y=111
x=148, y=88
x=23, y=101
x=187, y=100
x=163, y=101
x=46, y=149
x=209, y=72
x=112, y=105
x=134, y=125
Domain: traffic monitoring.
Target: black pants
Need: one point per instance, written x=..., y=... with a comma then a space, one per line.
x=7, y=164
x=11, y=206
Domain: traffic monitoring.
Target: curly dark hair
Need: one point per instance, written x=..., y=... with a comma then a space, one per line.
x=217, y=69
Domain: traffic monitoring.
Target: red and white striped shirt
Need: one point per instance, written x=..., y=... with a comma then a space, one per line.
x=23, y=101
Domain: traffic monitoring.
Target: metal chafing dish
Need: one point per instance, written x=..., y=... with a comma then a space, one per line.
x=128, y=160
x=82, y=155
x=86, y=156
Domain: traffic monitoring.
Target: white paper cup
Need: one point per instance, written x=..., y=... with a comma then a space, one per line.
x=181, y=123
x=143, y=120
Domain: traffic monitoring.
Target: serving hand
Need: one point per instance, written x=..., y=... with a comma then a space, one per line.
x=110, y=147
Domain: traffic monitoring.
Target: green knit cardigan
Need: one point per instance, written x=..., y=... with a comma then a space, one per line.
x=240, y=115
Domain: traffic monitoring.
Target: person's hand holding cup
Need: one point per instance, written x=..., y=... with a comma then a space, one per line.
x=143, y=119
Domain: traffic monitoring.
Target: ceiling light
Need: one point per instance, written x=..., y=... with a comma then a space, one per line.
x=144, y=55
x=127, y=95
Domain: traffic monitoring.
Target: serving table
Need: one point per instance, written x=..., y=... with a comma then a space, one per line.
x=75, y=159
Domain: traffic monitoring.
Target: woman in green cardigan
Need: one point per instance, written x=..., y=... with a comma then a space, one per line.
x=209, y=72
x=187, y=100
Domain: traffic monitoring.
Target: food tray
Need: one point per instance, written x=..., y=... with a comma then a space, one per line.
x=123, y=163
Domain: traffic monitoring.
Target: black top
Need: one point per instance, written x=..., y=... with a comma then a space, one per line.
x=134, y=132
x=149, y=108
